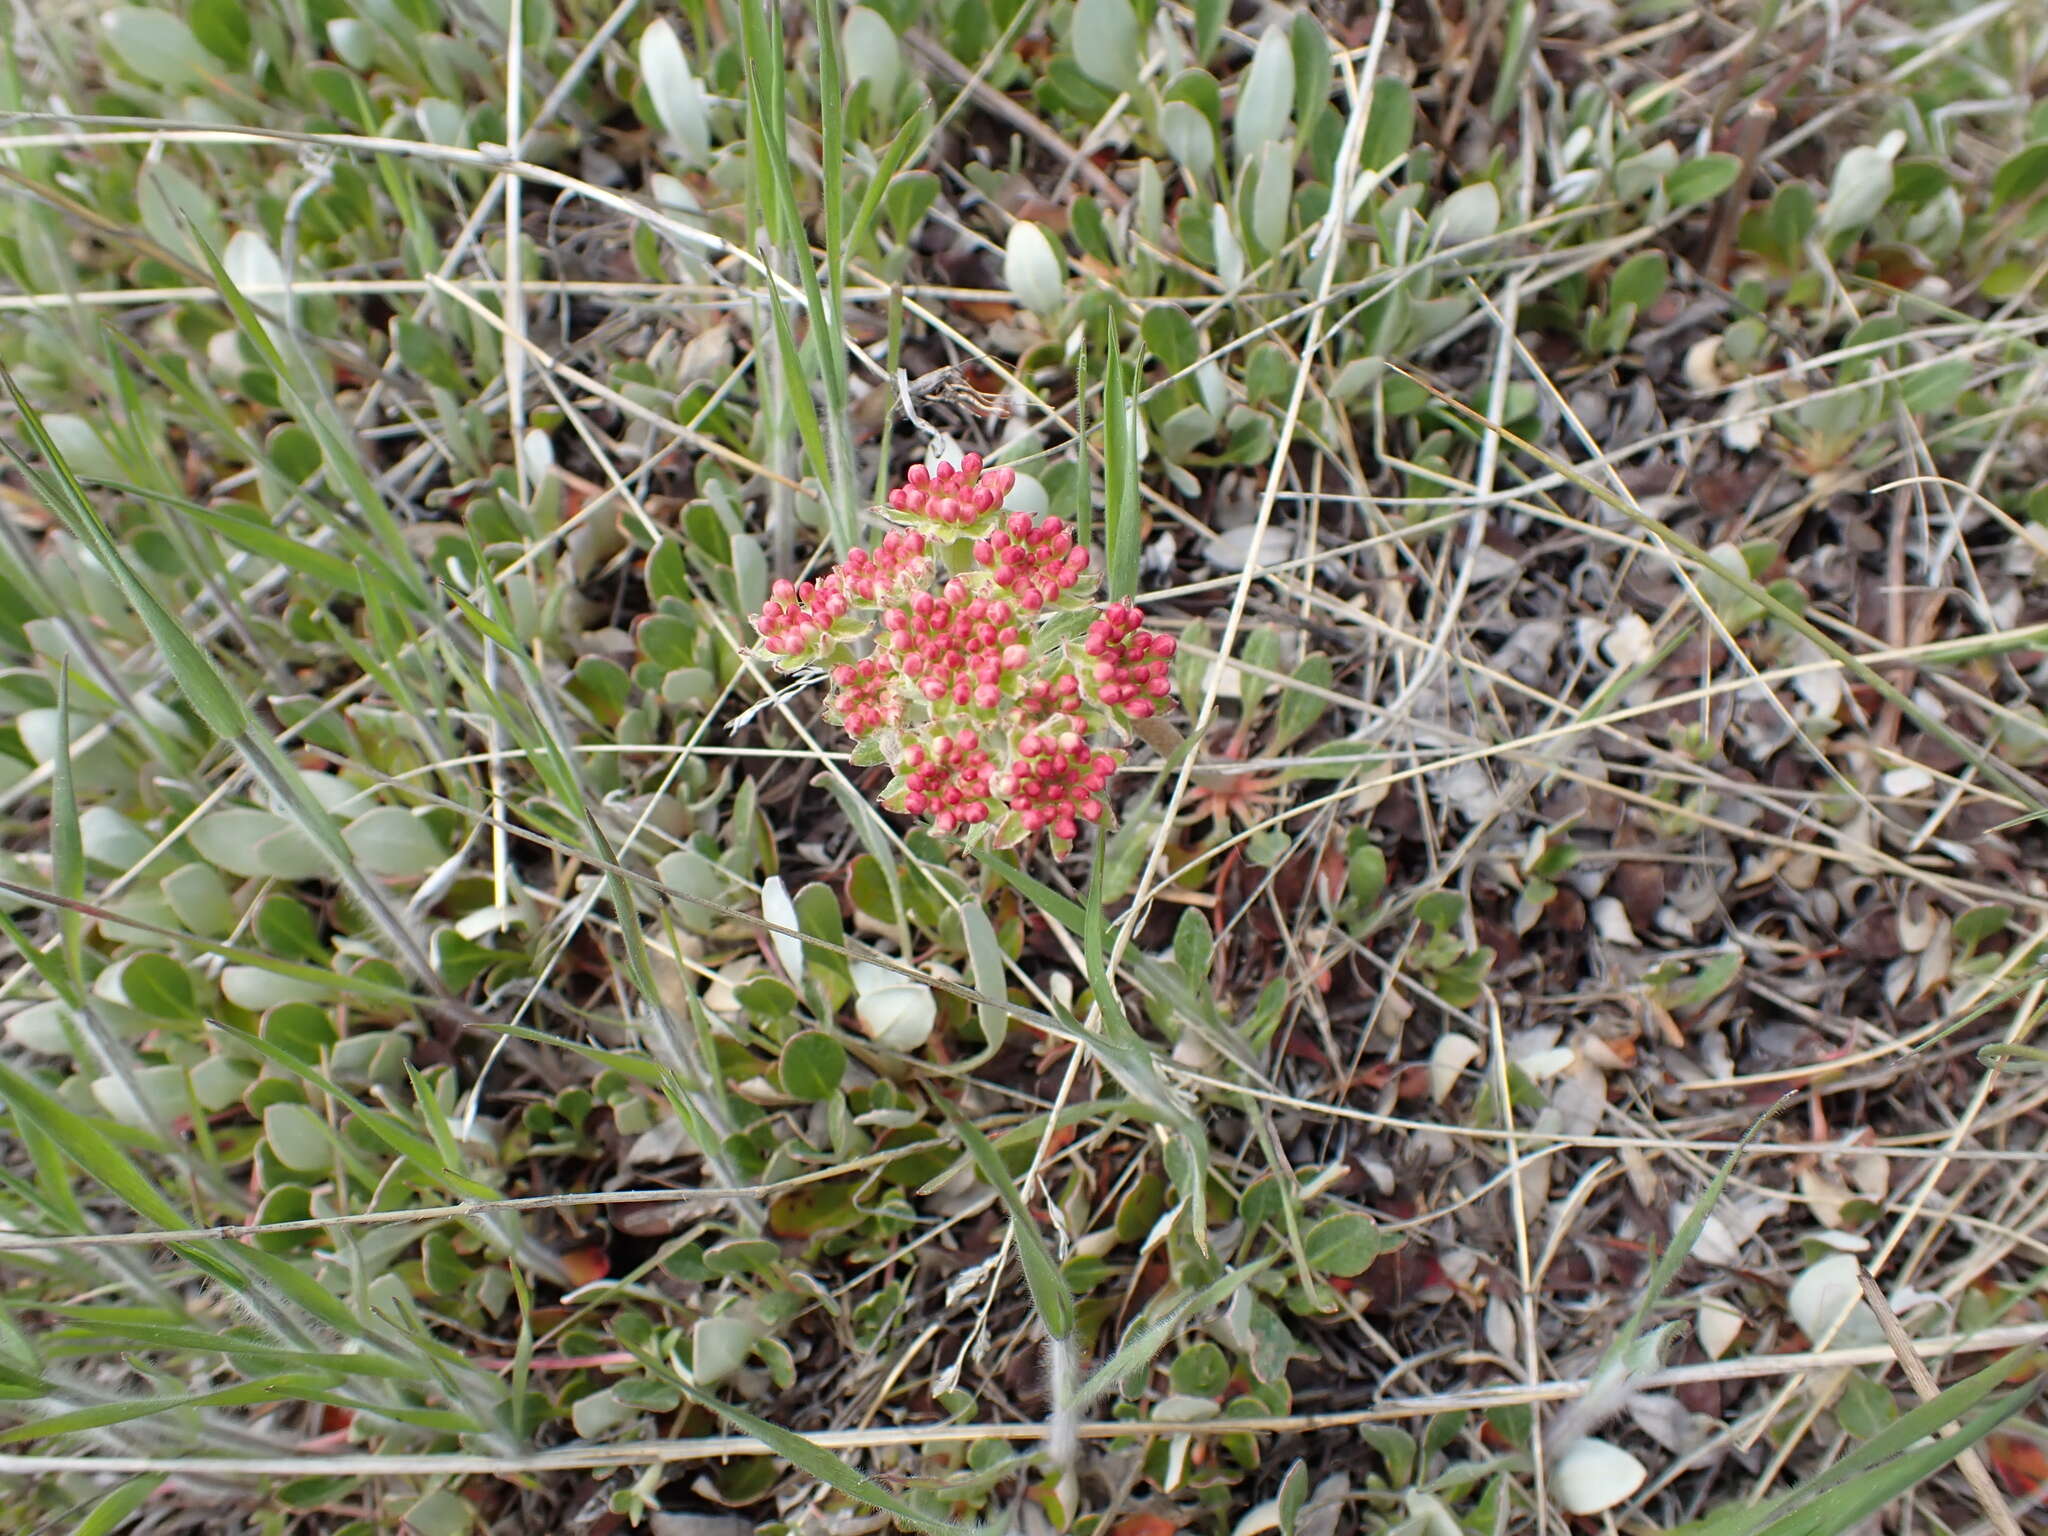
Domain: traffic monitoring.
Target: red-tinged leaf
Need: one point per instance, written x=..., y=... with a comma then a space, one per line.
x=2021, y=1465
x=585, y=1265
x=812, y=1210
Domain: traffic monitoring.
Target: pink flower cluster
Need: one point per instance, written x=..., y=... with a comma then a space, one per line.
x=1131, y=665
x=1035, y=562
x=947, y=779
x=1057, y=782
x=896, y=565
x=956, y=499
x=866, y=697
x=990, y=712
x=800, y=617
x=956, y=646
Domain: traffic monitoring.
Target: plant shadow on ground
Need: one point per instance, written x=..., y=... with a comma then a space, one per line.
x=480, y=1055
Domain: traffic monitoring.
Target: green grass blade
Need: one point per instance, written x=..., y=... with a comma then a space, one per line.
x=67, y=845
x=833, y=1471
x=1049, y=1291
x=318, y=567
x=269, y=1389
x=219, y=705
x=314, y=408
x=85, y=1143
x=1120, y=526
x=1147, y=1339
x=112, y=1513
x=1958, y=1404
x=1669, y=1262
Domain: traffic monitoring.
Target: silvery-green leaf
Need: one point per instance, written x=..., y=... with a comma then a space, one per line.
x=1188, y=136
x=1718, y=1328
x=1861, y=185
x=1356, y=376
x=1937, y=225
x=158, y=1094
x=672, y=194
x=354, y=41
x=749, y=572
x=441, y=122
x=1028, y=495
x=1186, y=430
x=1149, y=206
x=536, y=453
x=230, y=839
x=599, y=1413
x=1638, y=174
x=83, y=448
x=256, y=989
x=1452, y=1054
x=872, y=51
x=158, y=47
x=719, y=1346
x=219, y=1081
x=392, y=842
x=1732, y=602
x=297, y=1137
x=1032, y=269
x=1265, y=98
x=335, y=794
x=899, y=1017
x=1105, y=39
x=778, y=909
x=253, y=267
x=1823, y=1293
x=199, y=898
x=1246, y=546
x=1229, y=254
x=673, y=88
x=108, y=837
x=175, y=207
x=1273, y=196
x=45, y=1027
x=1470, y=213
x=1594, y=1475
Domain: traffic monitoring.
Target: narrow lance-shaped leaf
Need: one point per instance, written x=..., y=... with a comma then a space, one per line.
x=1120, y=479
x=220, y=706
x=1049, y=1291
x=817, y=1462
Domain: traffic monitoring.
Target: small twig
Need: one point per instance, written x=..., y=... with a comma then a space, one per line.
x=1996, y=1513
x=1750, y=137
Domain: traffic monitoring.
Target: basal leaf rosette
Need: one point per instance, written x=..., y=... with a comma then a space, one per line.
x=951, y=501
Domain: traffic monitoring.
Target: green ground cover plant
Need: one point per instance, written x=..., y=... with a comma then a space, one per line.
x=1024, y=766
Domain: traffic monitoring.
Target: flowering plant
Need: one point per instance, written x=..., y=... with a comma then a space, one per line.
x=965, y=651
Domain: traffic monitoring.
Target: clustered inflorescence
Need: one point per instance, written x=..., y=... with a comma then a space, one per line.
x=963, y=650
